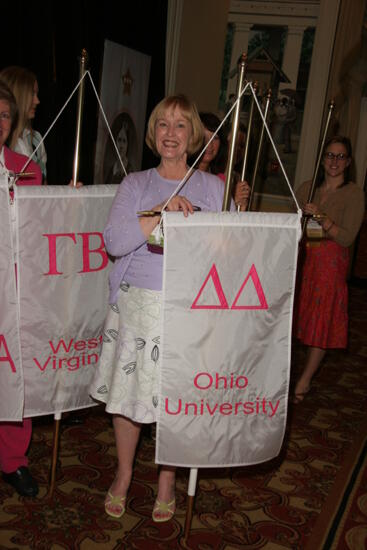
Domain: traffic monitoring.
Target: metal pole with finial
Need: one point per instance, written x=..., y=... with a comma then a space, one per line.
x=235, y=123
x=57, y=416
x=318, y=162
x=55, y=453
x=225, y=207
x=249, y=128
x=82, y=69
x=248, y=136
x=259, y=148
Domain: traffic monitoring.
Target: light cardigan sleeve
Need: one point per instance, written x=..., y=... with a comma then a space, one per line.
x=123, y=233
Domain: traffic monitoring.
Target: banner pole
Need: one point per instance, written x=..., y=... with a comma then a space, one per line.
x=242, y=64
x=55, y=452
x=190, y=500
x=259, y=148
x=79, y=116
x=225, y=206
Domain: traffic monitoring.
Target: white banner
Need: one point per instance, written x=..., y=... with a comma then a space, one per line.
x=228, y=289
x=63, y=292
x=11, y=378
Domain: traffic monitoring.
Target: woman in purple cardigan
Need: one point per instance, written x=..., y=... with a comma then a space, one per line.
x=127, y=377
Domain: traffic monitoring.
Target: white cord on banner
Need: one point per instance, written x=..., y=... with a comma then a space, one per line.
x=53, y=123
x=189, y=172
x=62, y=110
x=106, y=121
x=273, y=144
x=191, y=169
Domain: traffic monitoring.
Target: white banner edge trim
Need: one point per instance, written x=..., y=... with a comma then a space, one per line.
x=237, y=465
x=37, y=415
x=16, y=286
x=159, y=412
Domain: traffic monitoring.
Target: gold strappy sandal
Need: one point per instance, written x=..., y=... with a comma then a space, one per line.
x=163, y=511
x=115, y=505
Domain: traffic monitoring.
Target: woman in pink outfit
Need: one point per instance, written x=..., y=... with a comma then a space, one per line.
x=15, y=436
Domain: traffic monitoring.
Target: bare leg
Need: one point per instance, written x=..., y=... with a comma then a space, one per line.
x=127, y=435
x=164, y=506
x=166, y=483
x=314, y=358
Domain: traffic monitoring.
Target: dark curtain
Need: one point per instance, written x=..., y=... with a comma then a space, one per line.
x=48, y=37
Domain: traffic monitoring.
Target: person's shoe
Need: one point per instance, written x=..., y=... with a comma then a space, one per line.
x=115, y=505
x=22, y=481
x=163, y=511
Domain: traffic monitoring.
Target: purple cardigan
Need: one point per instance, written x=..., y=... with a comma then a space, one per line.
x=123, y=236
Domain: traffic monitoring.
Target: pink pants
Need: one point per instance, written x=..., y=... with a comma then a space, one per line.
x=14, y=439
x=14, y=442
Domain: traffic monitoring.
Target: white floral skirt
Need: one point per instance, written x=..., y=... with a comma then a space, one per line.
x=127, y=375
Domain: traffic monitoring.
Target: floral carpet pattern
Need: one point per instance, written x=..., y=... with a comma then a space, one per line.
x=277, y=505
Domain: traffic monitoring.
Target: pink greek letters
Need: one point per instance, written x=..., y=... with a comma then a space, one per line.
x=83, y=243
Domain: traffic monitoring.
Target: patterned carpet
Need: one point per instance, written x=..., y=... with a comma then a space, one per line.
x=343, y=521
x=313, y=495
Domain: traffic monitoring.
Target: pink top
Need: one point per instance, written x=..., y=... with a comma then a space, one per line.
x=15, y=162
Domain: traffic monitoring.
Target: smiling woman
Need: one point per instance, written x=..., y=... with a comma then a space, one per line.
x=172, y=137
x=127, y=377
x=175, y=113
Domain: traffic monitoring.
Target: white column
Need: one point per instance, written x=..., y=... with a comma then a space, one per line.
x=292, y=56
x=239, y=46
x=316, y=90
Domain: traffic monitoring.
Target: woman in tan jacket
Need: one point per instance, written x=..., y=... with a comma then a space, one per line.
x=321, y=311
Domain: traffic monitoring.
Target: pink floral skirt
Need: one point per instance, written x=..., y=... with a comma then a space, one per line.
x=321, y=306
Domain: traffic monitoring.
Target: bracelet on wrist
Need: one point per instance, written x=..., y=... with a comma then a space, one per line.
x=319, y=218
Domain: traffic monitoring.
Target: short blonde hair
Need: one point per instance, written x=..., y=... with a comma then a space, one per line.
x=189, y=111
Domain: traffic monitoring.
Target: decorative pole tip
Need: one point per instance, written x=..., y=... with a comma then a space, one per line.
x=243, y=58
x=332, y=104
x=269, y=94
x=84, y=55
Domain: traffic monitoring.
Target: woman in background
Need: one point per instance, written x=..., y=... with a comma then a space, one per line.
x=321, y=312
x=15, y=436
x=214, y=159
x=24, y=140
